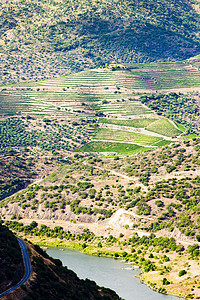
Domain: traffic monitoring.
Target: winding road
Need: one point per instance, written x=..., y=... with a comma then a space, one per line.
x=27, y=266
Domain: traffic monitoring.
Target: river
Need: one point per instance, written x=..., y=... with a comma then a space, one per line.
x=108, y=272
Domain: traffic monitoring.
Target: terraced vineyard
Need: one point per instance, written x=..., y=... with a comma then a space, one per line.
x=122, y=139
x=122, y=135
x=112, y=93
x=67, y=94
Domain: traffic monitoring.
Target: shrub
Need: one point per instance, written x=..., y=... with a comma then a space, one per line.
x=159, y=203
x=182, y=272
x=198, y=238
x=193, y=249
x=165, y=281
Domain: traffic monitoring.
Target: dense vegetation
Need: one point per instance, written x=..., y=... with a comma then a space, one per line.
x=11, y=262
x=41, y=40
x=15, y=174
x=53, y=135
x=181, y=108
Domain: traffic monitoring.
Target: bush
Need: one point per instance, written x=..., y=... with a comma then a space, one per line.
x=182, y=272
x=180, y=248
x=193, y=249
x=198, y=238
x=159, y=203
x=165, y=281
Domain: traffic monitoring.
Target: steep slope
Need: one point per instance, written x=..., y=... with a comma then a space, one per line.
x=49, y=279
x=41, y=40
x=11, y=262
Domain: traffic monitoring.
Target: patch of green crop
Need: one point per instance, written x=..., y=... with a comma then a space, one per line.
x=126, y=136
x=125, y=109
x=162, y=143
x=191, y=136
x=180, y=127
x=119, y=148
x=137, y=123
x=164, y=127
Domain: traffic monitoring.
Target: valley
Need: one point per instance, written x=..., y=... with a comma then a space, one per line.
x=109, y=205
x=100, y=144
x=106, y=161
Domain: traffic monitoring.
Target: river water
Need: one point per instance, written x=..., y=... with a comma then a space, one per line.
x=108, y=272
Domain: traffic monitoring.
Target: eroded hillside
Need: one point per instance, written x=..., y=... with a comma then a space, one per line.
x=160, y=188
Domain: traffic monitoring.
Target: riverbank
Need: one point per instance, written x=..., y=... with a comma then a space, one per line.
x=108, y=272
x=160, y=271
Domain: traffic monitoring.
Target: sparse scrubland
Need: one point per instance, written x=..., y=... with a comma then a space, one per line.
x=155, y=192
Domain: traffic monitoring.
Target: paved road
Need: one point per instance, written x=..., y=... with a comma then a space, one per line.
x=27, y=266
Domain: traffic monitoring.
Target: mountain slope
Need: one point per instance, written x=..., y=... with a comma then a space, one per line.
x=160, y=188
x=46, y=39
x=49, y=279
x=11, y=262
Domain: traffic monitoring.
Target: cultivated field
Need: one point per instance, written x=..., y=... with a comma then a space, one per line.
x=110, y=97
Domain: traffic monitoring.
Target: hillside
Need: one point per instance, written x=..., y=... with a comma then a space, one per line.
x=160, y=187
x=180, y=108
x=46, y=39
x=49, y=279
x=104, y=160
x=12, y=268
x=143, y=209
x=102, y=110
